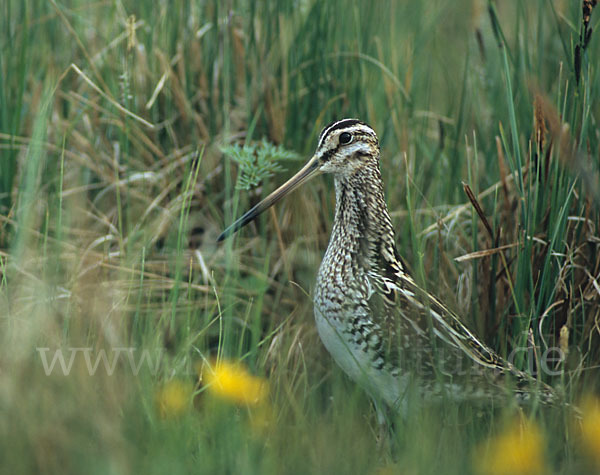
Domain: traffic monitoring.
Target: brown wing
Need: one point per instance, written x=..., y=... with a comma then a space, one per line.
x=428, y=339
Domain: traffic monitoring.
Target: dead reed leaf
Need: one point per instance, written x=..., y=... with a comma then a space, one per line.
x=484, y=253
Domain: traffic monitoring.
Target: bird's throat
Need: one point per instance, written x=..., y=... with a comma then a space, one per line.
x=362, y=222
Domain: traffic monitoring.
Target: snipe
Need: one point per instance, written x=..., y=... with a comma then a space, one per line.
x=384, y=331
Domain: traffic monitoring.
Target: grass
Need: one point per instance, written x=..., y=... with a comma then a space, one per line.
x=114, y=186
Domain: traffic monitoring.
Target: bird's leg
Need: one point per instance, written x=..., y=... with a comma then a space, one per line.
x=385, y=430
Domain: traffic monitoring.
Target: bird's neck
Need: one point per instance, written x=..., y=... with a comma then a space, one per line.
x=362, y=226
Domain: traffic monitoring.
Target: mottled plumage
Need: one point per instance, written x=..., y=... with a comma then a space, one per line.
x=382, y=329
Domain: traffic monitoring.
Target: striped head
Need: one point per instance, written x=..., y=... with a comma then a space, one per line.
x=346, y=145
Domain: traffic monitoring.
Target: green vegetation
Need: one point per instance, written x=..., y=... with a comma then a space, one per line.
x=129, y=133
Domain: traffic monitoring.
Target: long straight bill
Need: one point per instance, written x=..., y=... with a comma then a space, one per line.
x=306, y=173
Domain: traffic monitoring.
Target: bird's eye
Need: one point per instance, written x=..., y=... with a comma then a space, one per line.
x=345, y=138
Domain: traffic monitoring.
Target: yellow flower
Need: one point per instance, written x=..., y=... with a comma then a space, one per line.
x=518, y=450
x=231, y=382
x=590, y=429
x=174, y=398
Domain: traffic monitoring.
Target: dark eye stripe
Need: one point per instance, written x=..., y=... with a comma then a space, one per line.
x=357, y=136
x=363, y=136
x=327, y=155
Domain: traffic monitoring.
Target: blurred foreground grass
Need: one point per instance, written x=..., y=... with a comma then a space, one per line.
x=113, y=188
